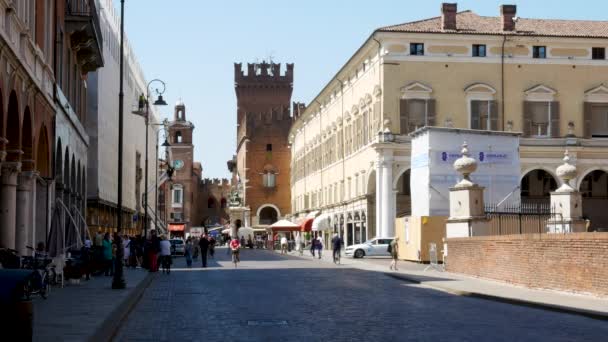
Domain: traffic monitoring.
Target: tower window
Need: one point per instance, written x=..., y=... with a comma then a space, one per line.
x=178, y=137
x=598, y=53
x=268, y=147
x=539, y=52
x=417, y=49
x=479, y=50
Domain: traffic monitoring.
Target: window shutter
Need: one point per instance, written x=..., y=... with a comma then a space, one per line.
x=430, y=114
x=403, y=116
x=587, y=120
x=475, y=117
x=494, y=115
x=555, y=119
x=527, y=119
x=376, y=120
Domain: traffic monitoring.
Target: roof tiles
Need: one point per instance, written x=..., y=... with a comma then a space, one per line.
x=468, y=22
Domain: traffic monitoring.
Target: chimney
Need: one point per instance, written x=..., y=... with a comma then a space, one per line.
x=448, y=16
x=508, y=12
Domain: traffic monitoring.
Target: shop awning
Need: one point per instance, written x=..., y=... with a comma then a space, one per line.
x=306, y=225
x=176, y=227
x=322, y=222
x=284, y=226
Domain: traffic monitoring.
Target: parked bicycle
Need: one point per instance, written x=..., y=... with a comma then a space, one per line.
x=42, y=277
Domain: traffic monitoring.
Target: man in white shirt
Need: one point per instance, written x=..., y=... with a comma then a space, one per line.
x=283, y=245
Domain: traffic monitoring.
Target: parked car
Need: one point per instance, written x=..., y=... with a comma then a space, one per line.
x=178, y=246
x=373, y=247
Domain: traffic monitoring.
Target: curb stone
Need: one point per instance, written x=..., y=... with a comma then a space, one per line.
x=108, y=329
x=544, y=306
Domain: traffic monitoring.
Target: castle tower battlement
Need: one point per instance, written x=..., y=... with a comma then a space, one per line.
x=262, y=73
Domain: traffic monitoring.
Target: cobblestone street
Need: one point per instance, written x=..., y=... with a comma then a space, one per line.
x=271, y=297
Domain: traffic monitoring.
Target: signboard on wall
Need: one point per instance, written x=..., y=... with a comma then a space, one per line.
x=434, y=150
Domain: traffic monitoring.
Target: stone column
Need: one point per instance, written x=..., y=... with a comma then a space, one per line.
x=467, y=213
x=566, y=202
x=24, y=219
x=379, y=198
x=388, y=207
x=8, y=200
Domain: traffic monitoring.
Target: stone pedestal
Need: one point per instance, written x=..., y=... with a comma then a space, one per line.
x=467, y=212
x=24, y=220
x=567, y=214
x=238, y=213
x=8, y=200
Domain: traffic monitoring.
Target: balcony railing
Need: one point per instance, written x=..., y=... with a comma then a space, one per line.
x=84, y=29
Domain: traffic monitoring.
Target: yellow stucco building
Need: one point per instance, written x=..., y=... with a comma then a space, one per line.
x=545, y=78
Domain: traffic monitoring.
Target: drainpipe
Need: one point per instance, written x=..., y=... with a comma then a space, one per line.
x=502, y=80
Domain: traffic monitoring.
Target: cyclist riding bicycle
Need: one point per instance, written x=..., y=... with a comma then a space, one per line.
x=235, y=245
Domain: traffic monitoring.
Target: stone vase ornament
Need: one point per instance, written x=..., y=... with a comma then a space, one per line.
x=465, y=165
x=566, y=172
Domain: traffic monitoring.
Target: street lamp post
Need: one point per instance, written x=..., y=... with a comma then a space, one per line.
x=118, y=281
x=144, y=102
x=165, y=145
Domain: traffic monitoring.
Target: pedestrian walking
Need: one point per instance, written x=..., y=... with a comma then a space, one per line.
x=165, y=254
x=126, y=246
x=393, y=248
x=313, y=246
x=336, y=246
x=195, y=248
x=283, y=245
x=204, y=246
x=319, y=246
x=107, y=254
x=85, y=256
x=212, y=243
x=188, y=252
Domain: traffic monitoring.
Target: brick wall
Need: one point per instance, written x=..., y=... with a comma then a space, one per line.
x=575, y=262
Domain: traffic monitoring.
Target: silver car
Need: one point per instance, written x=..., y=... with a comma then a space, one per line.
x=177, y=247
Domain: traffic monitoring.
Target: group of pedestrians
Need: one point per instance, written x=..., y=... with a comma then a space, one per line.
x=205, y=246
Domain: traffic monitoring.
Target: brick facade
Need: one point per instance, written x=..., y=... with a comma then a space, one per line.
x=263, y=103
x=567, y=262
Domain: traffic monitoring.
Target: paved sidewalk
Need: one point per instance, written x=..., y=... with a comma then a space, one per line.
x=591, y=306
x=89, y=311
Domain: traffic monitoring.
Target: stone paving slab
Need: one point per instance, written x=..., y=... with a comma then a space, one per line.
x=587, y=305
x=89, y=311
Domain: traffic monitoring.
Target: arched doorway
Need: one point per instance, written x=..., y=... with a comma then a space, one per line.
x=268, y=215
x=594, y=188
x=42, y=153
x=371, y=205
x=27, y=142
x=13, y=130
x=404, y=197
x=536, y=187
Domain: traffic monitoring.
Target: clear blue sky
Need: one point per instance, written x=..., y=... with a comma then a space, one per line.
x=192, y=45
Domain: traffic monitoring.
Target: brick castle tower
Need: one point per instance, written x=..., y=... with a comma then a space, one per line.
x=181, y=198
x=263, y=154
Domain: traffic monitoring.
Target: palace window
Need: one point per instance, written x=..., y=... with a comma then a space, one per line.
x=479, y=50
x=541, y=113
x=599, y=120
x=416, y=49
x=413, y=115
x=539, y=52
x=484, y=115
